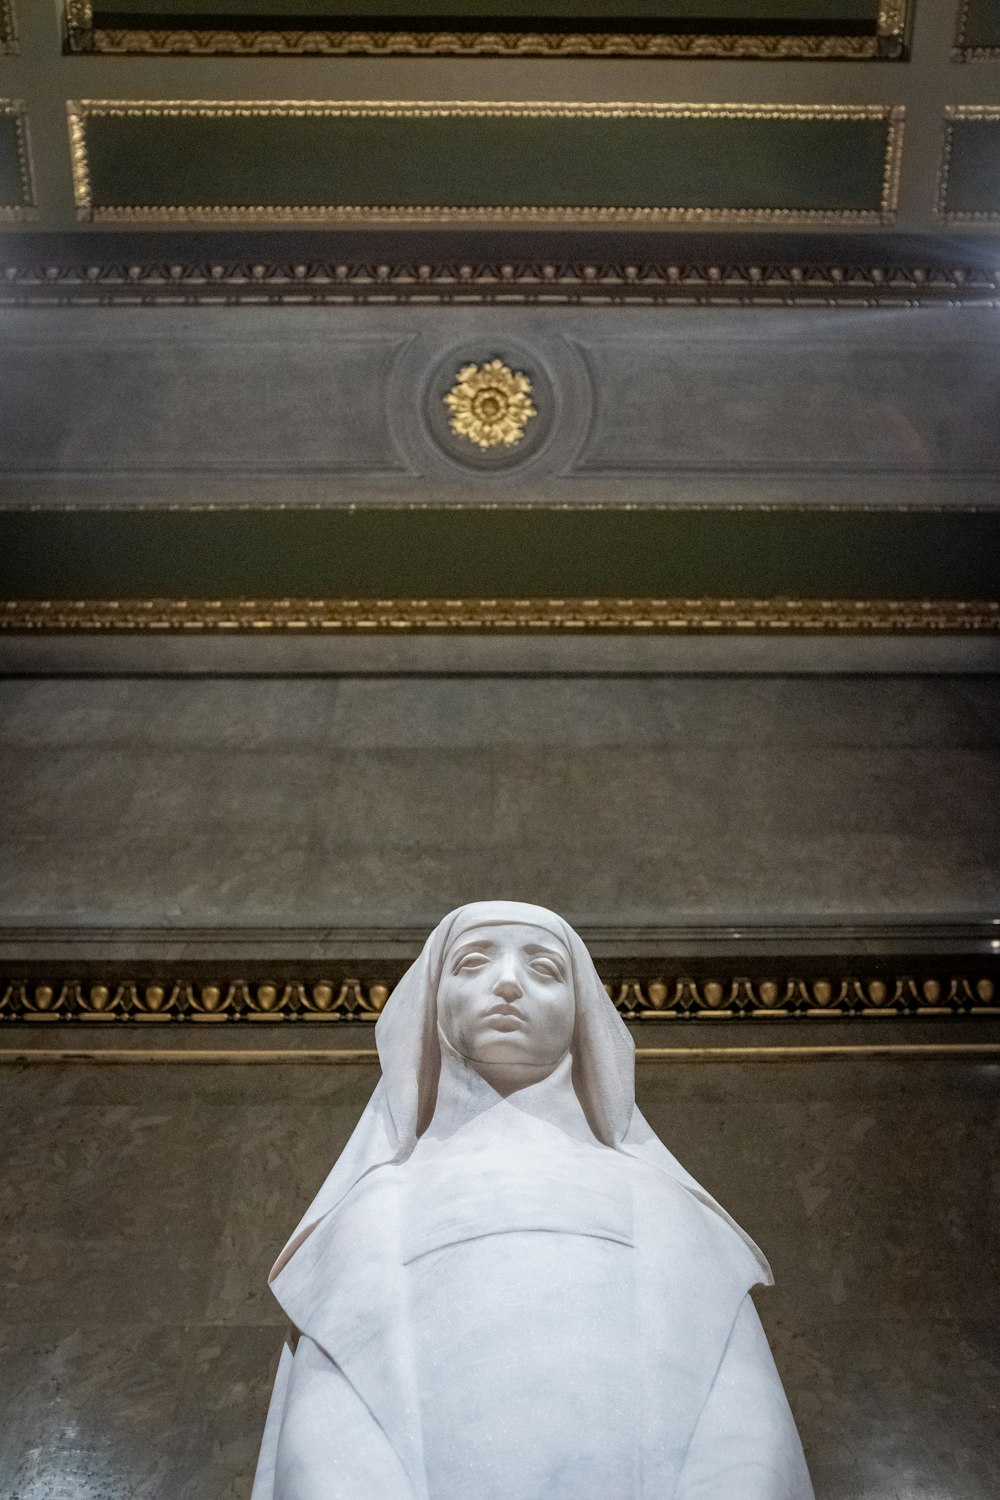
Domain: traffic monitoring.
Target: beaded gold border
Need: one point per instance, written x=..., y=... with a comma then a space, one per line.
x=494, y=616
x=80, y=111
x=954, y=114
x=887, y=44
x=20, y=212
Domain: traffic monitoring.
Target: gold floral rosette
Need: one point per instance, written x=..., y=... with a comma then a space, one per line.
x=490, y=404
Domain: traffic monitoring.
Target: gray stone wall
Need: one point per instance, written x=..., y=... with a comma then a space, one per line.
x=299, y=405
x=371, y=803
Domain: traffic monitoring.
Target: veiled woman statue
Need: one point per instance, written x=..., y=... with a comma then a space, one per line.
x=507, y=1287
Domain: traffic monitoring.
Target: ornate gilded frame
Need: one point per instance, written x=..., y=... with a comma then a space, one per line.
x=954, y=113
x=887, y=44
x=80, y=111
x=495, y=616
x=18, y=213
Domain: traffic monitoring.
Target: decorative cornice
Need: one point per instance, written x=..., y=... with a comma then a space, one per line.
x=680, y=284
x=955, y=114
x=728, y=996
x=82, y=110
x=254, y=616
x=157, y=41
x=25, y=210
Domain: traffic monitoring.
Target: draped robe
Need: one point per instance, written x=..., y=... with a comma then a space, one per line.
x=514, y=1308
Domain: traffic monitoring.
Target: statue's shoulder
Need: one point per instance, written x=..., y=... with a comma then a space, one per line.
x=684, y=1225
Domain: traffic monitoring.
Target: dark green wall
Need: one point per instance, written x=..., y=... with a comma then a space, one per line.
x=487, y=552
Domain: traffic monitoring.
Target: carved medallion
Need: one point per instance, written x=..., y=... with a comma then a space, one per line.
x=490, y=404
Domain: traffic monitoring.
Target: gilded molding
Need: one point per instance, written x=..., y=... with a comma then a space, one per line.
x=553, y=283
x=381, y=41
x=531, y=616
x=954, y=114
x=966, y=52
x=25, y=210
x=80, y=111
x=730, y=996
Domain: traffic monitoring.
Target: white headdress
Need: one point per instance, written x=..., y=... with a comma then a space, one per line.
x=409, y=1051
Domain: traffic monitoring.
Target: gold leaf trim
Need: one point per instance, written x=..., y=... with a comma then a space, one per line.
x=80, y=111
x=160, y=42
x=25, y=210
x=367, y=616
x=729, y=996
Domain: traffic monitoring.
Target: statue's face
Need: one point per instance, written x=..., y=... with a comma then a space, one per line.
x=506, y=996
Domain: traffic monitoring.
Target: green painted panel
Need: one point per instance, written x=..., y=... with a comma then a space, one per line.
x=474, y=161
x=735, y=15
x=980, y=25
x=973, y=183
x=13, y=193
x=499, y=553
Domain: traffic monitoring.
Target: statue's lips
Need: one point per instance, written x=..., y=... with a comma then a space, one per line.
x=505, y=1019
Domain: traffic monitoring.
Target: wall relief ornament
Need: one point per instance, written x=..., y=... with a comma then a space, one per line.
x=490, y=404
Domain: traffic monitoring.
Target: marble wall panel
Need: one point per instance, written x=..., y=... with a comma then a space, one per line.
x=869, y=1184
x=382, y=803
x=133, y=397
x=330, y=406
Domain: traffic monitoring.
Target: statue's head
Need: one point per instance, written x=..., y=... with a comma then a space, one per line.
x=511, y=988
x=506, y=995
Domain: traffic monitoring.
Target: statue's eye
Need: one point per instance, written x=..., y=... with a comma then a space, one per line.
x=546, y=967
x=470, y=961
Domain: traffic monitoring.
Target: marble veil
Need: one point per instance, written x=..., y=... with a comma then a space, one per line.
x=409, y=1054
x=343, y=1283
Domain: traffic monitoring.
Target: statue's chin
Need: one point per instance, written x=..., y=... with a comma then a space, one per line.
x=509, y=1051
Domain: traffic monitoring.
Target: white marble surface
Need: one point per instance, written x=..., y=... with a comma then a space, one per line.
x=507, y=1286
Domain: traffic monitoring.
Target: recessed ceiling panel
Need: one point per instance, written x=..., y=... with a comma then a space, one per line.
x=194, y=162
x=969, y=187
x=978, y=31
x=8, y=28
x=16, y=194
x=684, y=28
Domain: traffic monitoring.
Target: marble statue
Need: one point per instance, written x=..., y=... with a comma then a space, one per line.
x=508, y=1288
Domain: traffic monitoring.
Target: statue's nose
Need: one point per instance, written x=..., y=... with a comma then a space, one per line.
x=508, y=988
